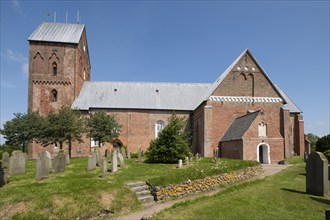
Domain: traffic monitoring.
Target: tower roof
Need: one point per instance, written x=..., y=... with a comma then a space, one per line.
x=58, y=32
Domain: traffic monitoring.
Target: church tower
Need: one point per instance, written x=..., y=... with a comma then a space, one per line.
x=58, y=66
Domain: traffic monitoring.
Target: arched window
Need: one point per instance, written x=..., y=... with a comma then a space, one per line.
x=54, y=65
x=53, y=95
x=159, y=126
x=262, y=129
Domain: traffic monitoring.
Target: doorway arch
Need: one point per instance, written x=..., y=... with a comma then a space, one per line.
x=263, y=153
x=117, y=144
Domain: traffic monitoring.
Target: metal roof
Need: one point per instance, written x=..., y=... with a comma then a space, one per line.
x=239, y=126
x=140, y=95
x=290, y=105
x=58, y=32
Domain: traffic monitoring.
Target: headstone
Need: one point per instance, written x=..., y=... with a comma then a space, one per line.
x=50, y=160
x=186, y=160
x=121, y=160
x=42, y=166
x=128, y=154
x=17, y=163
x=3, y=176
x=114, y=164
x=99, y=156
x=67, y=159
x=5, y=159
x=91, y=162
x=317, y=174
x=197, y=156
x=104, y=167
x=180, y=163
x=123, y=152
x=139, y=155
x=107, y=153
x=59, y=162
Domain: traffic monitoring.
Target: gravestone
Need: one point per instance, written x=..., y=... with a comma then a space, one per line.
x=42, y=166
x=128, y=154
x=186, y=161
x=180, y=163
x=139, y=155
x=99, y=156
x=107, y=153
x=197, y=156
x=123, y=152
x=3, y=175
x=67, y=159
x=114, y=163
x=91, y=162
x=5, y=159
x=317, y=174
x=17, y=163
x=59, y=162
x=104, y=167
x=121, y=160
x=50, y=160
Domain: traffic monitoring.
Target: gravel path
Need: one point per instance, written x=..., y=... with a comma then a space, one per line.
x=269, y=169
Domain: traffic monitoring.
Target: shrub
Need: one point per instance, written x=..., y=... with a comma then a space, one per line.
x=172, y=143
x=323, y=143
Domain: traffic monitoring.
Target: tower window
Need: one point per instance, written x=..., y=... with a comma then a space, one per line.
x=53, y=96
x=54, y=68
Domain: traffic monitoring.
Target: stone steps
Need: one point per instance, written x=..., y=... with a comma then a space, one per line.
x=142, y=191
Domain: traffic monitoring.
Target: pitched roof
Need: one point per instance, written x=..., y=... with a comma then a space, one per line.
x=140, y=95
x=58, y=32
x=290, y=105
x=239, y=126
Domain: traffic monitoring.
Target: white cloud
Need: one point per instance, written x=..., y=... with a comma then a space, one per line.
x=18, y=8
x=19, y=58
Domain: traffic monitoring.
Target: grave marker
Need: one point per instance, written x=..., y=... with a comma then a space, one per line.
x=104, y=167
x=180, y=163
x=114, y=164
x=42, y=166
x=317, y=174
x=17, y=163
x=91, y=162
x=59, y=162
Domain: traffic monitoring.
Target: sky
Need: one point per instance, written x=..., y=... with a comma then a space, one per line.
x=180, y=41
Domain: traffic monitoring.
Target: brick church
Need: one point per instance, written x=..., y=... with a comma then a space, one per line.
x=242, y=112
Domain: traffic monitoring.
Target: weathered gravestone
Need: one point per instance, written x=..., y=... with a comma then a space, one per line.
x=128, y=154
x=186, y=160
x=99, y=157
x=107, y=153
x=67, y=159
x=104, y=167
x=317, y=174
x=5, y=159
x=42, y=166
x=92, y=161
x=123, y=152
x=139, y=155
x=180, y=163
x=121, y=160
x=3, y=176
x=50, y=160
x=59, y=162
x=114, y=163
x=17, y=163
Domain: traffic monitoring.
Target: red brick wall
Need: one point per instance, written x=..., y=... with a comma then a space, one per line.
x=232, y=149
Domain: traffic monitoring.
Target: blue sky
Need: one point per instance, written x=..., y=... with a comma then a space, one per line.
x=181, y=41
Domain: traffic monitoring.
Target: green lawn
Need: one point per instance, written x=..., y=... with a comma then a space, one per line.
x=281, y=196
x=76, y=193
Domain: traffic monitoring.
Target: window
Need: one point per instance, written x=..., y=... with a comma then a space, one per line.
x=262, y=129
x=159, y=127
x=53, y=95
x=54, y=68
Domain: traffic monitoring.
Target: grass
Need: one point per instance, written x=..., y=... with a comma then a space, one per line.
x=76, y=193
x=281, y=196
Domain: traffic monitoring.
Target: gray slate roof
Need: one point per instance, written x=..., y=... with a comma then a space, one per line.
x=239, y=126
x=140, y=95
x=290, y=105
x=58, y=32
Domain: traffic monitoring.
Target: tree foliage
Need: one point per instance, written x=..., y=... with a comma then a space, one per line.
x=64, y=126
x=22, y=129
x=312, y=139
x=323, y=143
x=172, y=143
x=103, y=128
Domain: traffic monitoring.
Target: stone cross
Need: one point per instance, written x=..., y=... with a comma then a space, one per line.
x=317, y=174
x=114, y=164
x=139, y=155
x=180, y=163
x=59, y=162
x=42, y=166
x=17, y=163
x=121, y=160
x=91, y=162
x=5, y=159
x=104, y=167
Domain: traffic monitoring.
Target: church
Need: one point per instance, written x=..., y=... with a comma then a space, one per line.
x=243, y=113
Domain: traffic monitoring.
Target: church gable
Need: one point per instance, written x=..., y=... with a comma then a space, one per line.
x=245, y=78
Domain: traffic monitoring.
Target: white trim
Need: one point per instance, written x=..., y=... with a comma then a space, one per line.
x=266, y=157
x=244, y=99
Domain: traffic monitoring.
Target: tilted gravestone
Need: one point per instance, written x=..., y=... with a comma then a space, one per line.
x=128, y=154
x=17, y=163
x=5, y=159
x=91, y=162
x=317, y=174
x=3, y=176
x=104, y=167
x=121, y=160
x=59, y=162
x=42, y=166
x=114, y=163
x=123, y=152
x=139, y=155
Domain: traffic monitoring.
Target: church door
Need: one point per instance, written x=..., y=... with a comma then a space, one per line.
x=261, y=155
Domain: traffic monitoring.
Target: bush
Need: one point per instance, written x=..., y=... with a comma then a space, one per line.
x=327, y=154
x=8, y=148
x=323, y=143
x=172, y=143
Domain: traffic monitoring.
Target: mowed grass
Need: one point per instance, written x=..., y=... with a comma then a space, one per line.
x=77, y=193
x=281, y=196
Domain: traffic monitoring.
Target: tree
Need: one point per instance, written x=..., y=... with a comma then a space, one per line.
x=22, y=129
x=103, y=127
x=172, y=143
x=312, y=139
x=323, y=143
x=64, y=126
